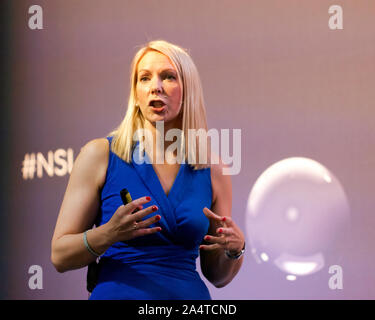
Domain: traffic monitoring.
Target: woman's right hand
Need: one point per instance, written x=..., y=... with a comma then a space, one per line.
x=126, y=224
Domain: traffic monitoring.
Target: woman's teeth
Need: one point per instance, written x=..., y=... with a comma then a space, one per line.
x=158, y=104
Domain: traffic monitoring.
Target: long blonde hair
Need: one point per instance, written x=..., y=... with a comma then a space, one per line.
x=193, y=109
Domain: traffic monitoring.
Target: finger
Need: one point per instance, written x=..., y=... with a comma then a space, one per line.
x=146, y=223
x=209, y=247
x=210, y=215
x=131, y=206
x=137, y=209
x=224, y=231
x=213, y=239
x=137, y=216
x=228, y=221
x=146, y=231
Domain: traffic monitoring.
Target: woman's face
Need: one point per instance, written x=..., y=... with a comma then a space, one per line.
x=158, y=88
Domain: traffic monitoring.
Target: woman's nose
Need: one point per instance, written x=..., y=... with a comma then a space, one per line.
x=156, y=86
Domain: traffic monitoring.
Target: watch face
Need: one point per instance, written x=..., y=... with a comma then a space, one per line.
x=235, y=256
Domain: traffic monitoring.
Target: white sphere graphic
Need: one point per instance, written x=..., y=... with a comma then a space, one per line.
x=297, y=212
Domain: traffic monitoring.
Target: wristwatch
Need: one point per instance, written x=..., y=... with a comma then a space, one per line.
x=236, y=256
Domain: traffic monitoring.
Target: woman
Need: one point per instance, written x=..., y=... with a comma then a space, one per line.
x=148, y=247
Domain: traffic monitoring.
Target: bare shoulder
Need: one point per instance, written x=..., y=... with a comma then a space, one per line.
x=218, y=170
x=97, y=148
x=93, y=159
x=221, y=183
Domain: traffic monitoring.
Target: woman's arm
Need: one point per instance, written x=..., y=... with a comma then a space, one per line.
x=80, y=207
x=223, y=233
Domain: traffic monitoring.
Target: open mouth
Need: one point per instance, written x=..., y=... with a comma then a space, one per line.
x=157, y=105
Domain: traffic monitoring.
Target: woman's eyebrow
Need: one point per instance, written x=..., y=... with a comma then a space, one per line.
x=143, y=70
x=164, y=70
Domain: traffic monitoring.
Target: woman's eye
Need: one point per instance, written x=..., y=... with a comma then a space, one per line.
x=168, y=77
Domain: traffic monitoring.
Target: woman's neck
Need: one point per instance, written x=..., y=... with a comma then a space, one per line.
x=155, y=140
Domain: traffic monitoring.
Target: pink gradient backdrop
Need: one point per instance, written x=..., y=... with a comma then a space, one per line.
x=271, y=68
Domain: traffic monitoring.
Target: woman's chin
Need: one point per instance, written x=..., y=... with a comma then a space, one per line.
x=156, y=117
x=165, y=117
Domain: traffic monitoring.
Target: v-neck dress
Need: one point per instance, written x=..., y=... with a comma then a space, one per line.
x=159, y=266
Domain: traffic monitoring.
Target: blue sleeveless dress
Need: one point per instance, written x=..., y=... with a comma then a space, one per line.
x=161, y=266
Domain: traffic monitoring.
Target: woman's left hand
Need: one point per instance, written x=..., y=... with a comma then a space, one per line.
x=228, y=235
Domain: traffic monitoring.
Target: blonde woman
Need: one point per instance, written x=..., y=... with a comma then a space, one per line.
x=148, y=247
